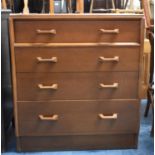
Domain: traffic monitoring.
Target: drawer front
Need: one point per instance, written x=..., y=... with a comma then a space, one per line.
x=77, y=59
x=75, y=86
x=59, y=31
x=78, y=117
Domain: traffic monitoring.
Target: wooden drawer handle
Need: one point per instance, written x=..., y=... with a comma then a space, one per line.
x=53, y=31
x=53, y=86
x=48, y=118
x=114, y=31
x=114, y=59
x=113, y=116
x=114, y=85
x=53, y=59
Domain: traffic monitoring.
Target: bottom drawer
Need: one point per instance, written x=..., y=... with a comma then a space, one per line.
x=78, y=117
x=116, y=141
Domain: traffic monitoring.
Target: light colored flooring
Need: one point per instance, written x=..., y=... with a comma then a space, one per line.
x=145, y=144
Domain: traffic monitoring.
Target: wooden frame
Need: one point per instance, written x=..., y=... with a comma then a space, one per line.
x=79, y=6
x=147, y=12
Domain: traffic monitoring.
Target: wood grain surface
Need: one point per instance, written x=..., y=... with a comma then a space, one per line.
x=80, y=59
x=76, y=31
x=78, y=117
x=77, y=86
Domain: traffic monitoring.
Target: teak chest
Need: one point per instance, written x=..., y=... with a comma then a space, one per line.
x=76, y=80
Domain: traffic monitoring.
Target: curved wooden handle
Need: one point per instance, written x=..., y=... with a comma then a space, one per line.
x=114, y=85
x=53, y=31
x=53, y=86
x=113, y=116
x=53, y=59
x=114, y=59
x=49, y=118
x=114, y=31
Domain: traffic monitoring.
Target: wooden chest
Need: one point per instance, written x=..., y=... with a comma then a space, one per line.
x=76, y=80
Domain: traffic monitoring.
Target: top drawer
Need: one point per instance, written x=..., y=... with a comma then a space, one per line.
x=76, y=31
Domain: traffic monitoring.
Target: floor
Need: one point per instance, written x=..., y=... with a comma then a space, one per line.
x=145, y=146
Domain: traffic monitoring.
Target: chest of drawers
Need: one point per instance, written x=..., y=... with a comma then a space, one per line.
x=76, y=80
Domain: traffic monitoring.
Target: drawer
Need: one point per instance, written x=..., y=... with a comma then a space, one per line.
x=78, y=117
x=77, y=142
x=79, y=59
x=76, y=31
x=75, y=86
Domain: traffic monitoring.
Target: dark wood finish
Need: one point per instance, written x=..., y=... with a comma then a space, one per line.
x=151, y=73
x=80, y=59
x=86, y=142
x=128, y=31
x=151, y=38
x=69, y=88
x=152, y=129
x=78, y=88
x=150, y=93
x=78, y=117
x=150, y=90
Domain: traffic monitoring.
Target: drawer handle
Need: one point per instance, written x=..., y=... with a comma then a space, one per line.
x=114, y=85
x=48, y=118
x=53, y=59
x=114, y=31
x=114, y=59
x=113, y=116
x=53, y=31
x=54, y=86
